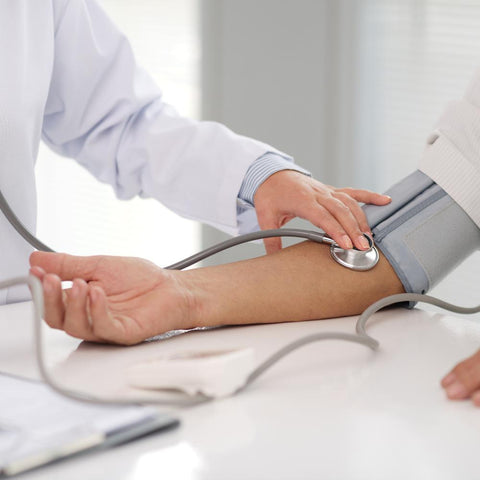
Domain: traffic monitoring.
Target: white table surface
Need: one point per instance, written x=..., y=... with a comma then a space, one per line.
x=332, y=410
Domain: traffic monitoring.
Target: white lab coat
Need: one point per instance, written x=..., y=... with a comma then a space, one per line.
x=69, y=77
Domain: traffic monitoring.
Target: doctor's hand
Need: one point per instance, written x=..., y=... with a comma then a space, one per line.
x=112, y=299
x=288, y=194
x=464, y=380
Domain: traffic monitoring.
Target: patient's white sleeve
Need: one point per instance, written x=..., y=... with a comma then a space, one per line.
x=108, y=114
x=452, y=155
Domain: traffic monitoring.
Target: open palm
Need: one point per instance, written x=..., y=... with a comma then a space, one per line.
x=112, y=299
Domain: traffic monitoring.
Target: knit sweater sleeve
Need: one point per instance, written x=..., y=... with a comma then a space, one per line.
x=452, y=154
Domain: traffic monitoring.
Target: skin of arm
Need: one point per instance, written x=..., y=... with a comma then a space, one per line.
x=300, y=283
x=126, y=300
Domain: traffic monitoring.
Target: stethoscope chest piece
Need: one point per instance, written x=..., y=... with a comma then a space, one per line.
x=360, y=260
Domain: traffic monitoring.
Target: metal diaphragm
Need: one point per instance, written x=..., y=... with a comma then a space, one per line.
x=354, y=259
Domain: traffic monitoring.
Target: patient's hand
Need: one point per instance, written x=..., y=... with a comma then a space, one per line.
x=112, y=299
x=464, y=380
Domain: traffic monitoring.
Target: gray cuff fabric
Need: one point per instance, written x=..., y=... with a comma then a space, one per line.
x=423, y=233
x=262, y=168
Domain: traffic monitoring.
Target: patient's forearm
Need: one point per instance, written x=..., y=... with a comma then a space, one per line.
x=125, y=300
x=298, y=283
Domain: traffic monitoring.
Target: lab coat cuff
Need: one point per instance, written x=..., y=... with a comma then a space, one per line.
x=263, y=168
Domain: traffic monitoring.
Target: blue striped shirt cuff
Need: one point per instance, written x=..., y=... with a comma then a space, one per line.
x=262, y=168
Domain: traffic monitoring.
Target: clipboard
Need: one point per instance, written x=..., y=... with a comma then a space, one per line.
x=39, y=426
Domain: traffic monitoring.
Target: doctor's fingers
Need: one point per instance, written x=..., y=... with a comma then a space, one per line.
x=356, y=210
x=464, y=380
x=269, y=221
x=338, y=221
x=365, y=196
x=321, y=217
x=273, y=244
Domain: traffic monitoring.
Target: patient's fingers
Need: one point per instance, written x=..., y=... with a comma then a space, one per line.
x=53, y=301
x=76, y=321
x=102, y=323
x=107, y=326
x=83, y=312
x=38, y=272
x=464, y=379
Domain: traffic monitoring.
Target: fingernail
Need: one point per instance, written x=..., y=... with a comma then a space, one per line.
x=347, y=242
x=363, y=242
x=75, y=290
x=456, y=390
x=448, y=379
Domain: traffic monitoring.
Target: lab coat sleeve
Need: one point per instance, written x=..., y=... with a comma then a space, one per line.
x=452, y=155
x=108, y=114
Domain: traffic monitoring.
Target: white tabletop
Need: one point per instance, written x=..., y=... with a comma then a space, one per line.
x=331, y=410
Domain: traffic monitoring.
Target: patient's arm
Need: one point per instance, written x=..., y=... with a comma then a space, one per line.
x=301, y=283
x=125, y=300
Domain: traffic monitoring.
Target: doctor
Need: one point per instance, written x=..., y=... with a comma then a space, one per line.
x=69, y=78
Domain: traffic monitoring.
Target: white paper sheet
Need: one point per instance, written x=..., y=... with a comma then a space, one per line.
x=38, y=425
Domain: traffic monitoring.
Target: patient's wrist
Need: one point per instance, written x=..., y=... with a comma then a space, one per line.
x=197, y=302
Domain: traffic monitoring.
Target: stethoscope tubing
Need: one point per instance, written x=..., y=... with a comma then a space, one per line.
x=353, y=259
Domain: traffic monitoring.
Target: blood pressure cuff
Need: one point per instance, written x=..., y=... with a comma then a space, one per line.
x=423, y=233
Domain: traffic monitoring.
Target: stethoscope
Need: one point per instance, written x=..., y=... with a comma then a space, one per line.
x=360, y=260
